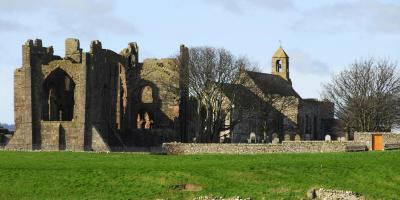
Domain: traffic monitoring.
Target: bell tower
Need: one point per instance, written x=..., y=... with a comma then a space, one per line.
x=280, y=64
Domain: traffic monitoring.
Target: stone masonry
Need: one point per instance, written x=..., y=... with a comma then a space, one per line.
x=268, y=104
x=94, y=100
x=360, y=139
x=102, y=100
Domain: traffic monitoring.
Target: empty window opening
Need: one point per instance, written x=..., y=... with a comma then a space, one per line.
x=278, y=66
x=146, y=95
x=58, y=101
x=144, y=120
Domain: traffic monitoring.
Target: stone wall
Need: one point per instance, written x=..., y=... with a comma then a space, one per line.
x=366, y=138
x=285, y=147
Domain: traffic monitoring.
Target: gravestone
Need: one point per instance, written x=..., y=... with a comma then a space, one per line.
x=342, y=139
x=275, y=138
x=327, y=138
x=297, y=137
x=287, y=137
x=252, y=137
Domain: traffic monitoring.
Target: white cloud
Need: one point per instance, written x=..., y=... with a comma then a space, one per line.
x=303, y=63
x=241, y=6
x=85, y=18
x=368, y=15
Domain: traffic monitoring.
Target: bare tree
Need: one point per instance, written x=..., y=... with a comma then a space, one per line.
x=366, y=95
x=266, y=99
x=210, y=70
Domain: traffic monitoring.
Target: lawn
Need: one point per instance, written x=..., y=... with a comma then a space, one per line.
x=68, y=175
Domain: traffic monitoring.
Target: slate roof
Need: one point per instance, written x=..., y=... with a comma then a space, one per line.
x=239, y=94
x=272, y=84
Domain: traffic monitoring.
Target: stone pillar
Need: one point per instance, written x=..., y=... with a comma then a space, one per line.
x=73, y=50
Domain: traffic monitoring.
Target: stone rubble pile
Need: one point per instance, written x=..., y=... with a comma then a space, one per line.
x=328, y=194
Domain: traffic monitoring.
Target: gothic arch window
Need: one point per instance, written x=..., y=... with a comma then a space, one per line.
x=58, y=100
x=146, y=95
x=278, y=66
x=144, y=120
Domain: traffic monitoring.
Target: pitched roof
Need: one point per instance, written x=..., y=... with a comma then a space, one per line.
x=239, y=94
x=280, y=53
x=272, y=84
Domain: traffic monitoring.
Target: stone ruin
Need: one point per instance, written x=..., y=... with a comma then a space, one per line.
x=97, y=100
x=101, y=100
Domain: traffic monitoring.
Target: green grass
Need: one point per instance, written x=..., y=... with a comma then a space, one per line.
x=67, y=175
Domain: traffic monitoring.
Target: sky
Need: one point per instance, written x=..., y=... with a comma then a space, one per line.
x=320, y=37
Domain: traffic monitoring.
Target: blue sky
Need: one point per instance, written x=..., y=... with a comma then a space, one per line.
x=321, y=37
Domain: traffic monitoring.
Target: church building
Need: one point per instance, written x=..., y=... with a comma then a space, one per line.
x=266, y=108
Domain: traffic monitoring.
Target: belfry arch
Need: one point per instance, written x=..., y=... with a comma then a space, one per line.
x=58, y=97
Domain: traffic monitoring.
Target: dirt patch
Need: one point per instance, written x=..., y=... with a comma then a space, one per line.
x=187, y=187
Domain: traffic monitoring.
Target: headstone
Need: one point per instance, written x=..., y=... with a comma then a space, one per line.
x=327, y=138
x=287, y=137
x=275, y=138
x=252, y=137
x=342, y=139
x=297, y=137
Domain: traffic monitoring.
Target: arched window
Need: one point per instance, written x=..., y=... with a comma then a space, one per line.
x=58, y=100
x=148, y=121
x=146, y=95
x=278, y=66
x=144, y=120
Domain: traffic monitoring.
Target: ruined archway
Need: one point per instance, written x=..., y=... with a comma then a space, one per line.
x=58, y=97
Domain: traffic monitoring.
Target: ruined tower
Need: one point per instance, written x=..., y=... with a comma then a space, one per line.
x=280, y=64
x=92, y=100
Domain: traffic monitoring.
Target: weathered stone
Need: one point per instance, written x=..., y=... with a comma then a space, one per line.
x=253, y=138
x=284, y=147
x=275, y=138
x=329, y=194
x=91, y=101
x=297, y=137
x=366, y=138
x=327, y=138
x=277, y=105
x=287, y=137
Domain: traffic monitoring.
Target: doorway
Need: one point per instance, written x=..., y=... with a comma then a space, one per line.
x=377, y=142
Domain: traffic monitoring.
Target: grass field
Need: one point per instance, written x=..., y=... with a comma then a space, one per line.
x=67, y=175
